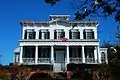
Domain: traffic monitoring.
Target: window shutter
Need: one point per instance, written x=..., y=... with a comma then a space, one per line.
x=34, y=33
x=48, y=34
x=70, y=34
x=40, y=34
x=63, y=33
x=84, y=34
x=25, y=35
x=92, y=34
x=78, y=34
x=55, y=35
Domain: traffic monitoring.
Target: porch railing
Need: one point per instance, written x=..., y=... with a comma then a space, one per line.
x=29, y=60
x=75, y=60
x=89, y=60
x=43, y=60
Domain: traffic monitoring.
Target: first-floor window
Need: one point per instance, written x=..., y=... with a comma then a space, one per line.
x=103, y=57
x=45, y=53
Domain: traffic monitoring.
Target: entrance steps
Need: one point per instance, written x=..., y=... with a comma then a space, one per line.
x=59, y=67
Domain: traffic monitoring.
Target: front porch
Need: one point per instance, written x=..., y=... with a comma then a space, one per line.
x=60, y=54
x=41, y=55
x=86, y=54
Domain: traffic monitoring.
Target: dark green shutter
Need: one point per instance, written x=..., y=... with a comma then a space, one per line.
x=92, y=34
x=40, y=35
x=78, y=34
x=55, y=35
x=25, y=35
x=70, y=34
x=34, y=34
x=48, y=35
x=84, y=34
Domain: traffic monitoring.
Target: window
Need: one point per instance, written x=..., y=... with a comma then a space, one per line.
x=44, y=34
x=58, y=34
x=29, y=34
x=45, y=53
x=89, y=50
x=103, y=57
x=88, y=34
x=74, y=34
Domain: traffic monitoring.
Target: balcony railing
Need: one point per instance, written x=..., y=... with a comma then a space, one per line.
x=89, y=60
x=43, y=60
x=29, y=60
x=75, y=60
x=79, y=60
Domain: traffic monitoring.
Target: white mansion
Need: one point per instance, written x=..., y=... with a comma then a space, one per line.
x=59, y=42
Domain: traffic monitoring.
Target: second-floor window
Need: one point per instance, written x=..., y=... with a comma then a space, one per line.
x=74, y=34
x=88, y=34
x=58, y=34
x=29, y=34
x=44, y=34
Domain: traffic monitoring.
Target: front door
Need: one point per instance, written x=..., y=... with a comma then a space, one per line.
x=59, y=61
x=60, y=58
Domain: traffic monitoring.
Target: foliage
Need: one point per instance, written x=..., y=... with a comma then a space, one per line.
x=4, y=74
x=51, y=2
x=101, y=8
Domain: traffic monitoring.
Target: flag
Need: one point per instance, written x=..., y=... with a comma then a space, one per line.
x=64, y=39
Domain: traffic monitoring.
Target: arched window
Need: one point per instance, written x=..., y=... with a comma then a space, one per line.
x=103, y=57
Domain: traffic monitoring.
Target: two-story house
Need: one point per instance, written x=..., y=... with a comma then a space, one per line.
x=59, y=42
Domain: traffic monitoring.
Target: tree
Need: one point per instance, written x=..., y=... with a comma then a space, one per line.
x=101, y=8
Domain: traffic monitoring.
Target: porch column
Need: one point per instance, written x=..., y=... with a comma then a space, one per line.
x=52, y=54
x=99, y=54
x=68, y=58
x=36, y=54
x=21, y=53
x=83, y=55
x=95, y=54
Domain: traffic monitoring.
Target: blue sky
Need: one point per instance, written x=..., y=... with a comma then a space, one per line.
x=13, y=11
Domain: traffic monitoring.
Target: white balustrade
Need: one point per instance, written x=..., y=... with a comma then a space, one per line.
x=43, y=60
x=28, y=60
x=75, y=60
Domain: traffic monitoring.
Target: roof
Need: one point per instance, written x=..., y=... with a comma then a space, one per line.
x=17, y=50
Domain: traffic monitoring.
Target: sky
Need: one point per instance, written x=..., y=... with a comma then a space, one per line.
x=14, y=11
